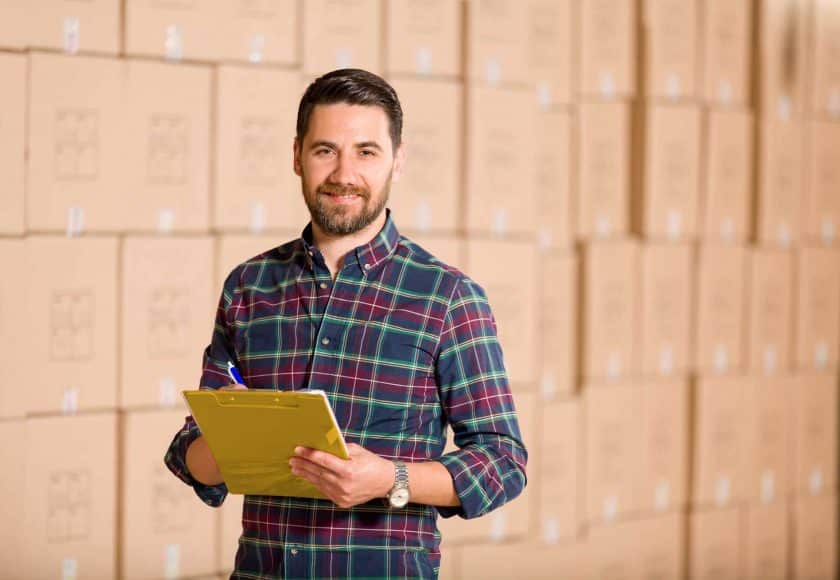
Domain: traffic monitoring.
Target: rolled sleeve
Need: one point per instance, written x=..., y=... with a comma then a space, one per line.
x=488, y=469
x=176, y=460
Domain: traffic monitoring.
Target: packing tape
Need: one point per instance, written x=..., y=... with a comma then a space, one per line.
x=70, y=401
x=498, y=525
x=344, y=57
x=257, y=221
x=721, y=358
x=75, y=221
x=723, y=490
x=768, y=486
x=167, y=394
x=166, y=219
x=69, y=569
x=172, y=561
x=423, y=60
x=815, y=481
x=70, y=40
x=673, y=88
x=551, y=530
x=610, y=508
x=607, y=85
x=256, y=49
x=423, y=216
x=724, y=92
x=492, y=71
x=770, y=358
x=821, y=355
x=783, y=235
x=662, y=496
x=173, y=44
x=827, y=230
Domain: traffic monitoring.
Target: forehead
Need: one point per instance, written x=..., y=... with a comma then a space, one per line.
x=344, y=121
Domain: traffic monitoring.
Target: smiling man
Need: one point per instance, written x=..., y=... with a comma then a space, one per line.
x=404, y=346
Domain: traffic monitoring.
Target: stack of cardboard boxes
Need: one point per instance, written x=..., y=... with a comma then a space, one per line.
x=647, y=190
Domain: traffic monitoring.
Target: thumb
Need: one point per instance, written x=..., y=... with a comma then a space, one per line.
x=234, y=387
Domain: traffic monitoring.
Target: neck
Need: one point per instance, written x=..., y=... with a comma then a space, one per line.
x=334, y=247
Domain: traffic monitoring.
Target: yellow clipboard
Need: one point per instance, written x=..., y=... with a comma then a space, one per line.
x=252, y=434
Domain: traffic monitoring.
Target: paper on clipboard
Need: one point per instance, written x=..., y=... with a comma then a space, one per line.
x=252, y=434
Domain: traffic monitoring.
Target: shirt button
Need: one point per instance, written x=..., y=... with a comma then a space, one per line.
x=325, y=341
x=367, y=266
x=294, y=551
x=323, y=285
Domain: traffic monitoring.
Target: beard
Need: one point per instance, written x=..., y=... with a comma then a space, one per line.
x=340, y=220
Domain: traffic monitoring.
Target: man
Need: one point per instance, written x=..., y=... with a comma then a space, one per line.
x=402, y=344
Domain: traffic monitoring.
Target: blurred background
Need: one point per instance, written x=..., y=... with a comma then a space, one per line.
x=649, y=191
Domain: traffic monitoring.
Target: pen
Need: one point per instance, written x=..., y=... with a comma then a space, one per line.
x=234, y=374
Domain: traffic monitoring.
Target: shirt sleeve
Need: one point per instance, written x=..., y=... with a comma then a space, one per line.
x=488, y=469
x=213, y=376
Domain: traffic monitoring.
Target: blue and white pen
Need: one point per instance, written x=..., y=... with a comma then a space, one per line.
x=233, y=372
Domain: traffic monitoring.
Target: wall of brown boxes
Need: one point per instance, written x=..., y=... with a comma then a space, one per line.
x=659, y=179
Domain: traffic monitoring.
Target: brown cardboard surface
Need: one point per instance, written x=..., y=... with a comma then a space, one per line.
x=166, y=171
x=610, y=309
x=555, y=184
x=261, y=31
x=720, y=319
x=558, y=477
x=496, y=39
x=815, y=434
x=821, y=206
x=71, y=338
x=513, y=300
x=424, y=38
x=727, y=191
x=165, y=529
x=167, y=312
x=815, y=537
x=670, y=37
x=522, y=560
x=427, y=195
x=768, y=438
x=782, y=33
x=770, y=316
x=608, y=56
x=446, y=248
x=230, y=524
x=15, y=384
x=715, y=543
x=341, y=34
x=766, y=533
x=501, y=165
x=558, y=324
x=91, y=26
x=825, y=72
x=603, y=169
x=255, y=186
x=719, y=440
x=727, y=44
x=76, y=138
x=817, y=308
x=781, y=183
x=670, y=196
x=666, y=288
x=233, y=249
x=13, y=460
x=553, y=50
x=70, y=498
x=12, y=141
x=612, y=447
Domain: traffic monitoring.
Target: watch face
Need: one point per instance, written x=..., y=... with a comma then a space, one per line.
x=399, y=497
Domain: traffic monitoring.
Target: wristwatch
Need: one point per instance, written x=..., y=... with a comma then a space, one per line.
x=399, y=495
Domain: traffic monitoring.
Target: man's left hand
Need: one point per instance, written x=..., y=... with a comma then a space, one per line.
x=347, y=482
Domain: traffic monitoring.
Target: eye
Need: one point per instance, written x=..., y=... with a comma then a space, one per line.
x=321, y=151
x=367, y=153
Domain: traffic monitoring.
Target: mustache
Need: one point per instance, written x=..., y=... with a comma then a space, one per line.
x=332, y=189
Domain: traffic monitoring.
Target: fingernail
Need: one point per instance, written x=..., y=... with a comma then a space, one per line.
x=298, y=450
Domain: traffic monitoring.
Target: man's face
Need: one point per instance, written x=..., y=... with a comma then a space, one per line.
x=346, y=164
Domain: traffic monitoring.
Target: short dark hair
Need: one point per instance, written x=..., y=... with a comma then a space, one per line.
x=354, y=87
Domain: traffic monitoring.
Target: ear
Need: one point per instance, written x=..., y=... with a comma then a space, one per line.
x=296, y=163
x=399, y=162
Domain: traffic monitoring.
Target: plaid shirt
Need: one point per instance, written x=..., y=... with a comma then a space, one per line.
x=403, y=345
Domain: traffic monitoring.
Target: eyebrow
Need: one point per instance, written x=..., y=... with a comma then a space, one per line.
x=330, y=144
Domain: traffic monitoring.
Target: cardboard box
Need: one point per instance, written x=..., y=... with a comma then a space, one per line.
x=558, y=324
x=668, y=207
x=610, y=310
x=817, y=308
x=608, y=42
x=255, y=186
x=426, y=198
x=497, y=42
x=728, y=44
x=448, y=249
x=662, y=475
x=16, y=384
x=341, y=34
x=825, y=74
x=815, y=537
x=612, y=444
x=720, y=441
x=728, y=177
x=65, y=25
x=766, y=539
x=424, y=38
x=166, y=170
x=12, y=484
x=557, y=475
x=667, y=288
x=670, y=31
x=257, y=31
x=768, y=438
x=175, y=30
x=234, y=249
x=513, y=520
x=782, y=28
x=555, y=187
x=76, y=143
x=513, y=301
x=71, y=310
x=815, y=434
x=780, y=183
x=12, y=141
x=645, y=548
x=520, y=559
x=230, y=530
x=553, y=50
x=603, y=172
x=715, y=543
x=167, y=313
x=501, y=161
x=720, y=321
x=821, y=207
x=165, y=530
x=70, y=498
x=770, y=334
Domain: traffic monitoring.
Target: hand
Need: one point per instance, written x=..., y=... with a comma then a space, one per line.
x=234, y=387
x=347, y=482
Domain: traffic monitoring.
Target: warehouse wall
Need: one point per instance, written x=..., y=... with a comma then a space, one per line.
x=649, y=191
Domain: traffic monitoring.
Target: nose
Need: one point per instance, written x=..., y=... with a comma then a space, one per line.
x=345, y=170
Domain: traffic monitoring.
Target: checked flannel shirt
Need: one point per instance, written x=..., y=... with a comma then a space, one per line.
x=405, y=347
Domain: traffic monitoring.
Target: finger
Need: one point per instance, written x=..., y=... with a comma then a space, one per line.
x=328, y=460
x=234, y=387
